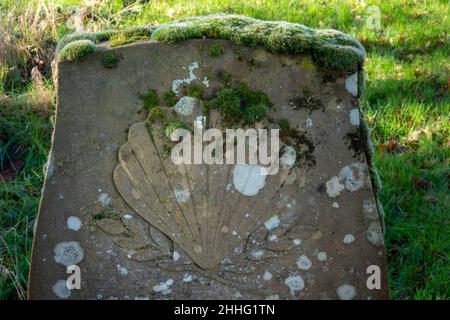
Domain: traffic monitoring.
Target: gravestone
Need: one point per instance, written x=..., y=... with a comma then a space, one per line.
x=139, y=226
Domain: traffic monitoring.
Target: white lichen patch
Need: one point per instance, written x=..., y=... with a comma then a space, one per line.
x=288, y=156
x=163, y=287
x=104, y=199
x=374, y=234
x=187, y=277
x=335, y=205
x=191, y=77
x=351, y=84
x=181, y=195
x=354, y=117
x=348, y=238
x=309, y=123
x=248, y=179
x=322, y=256
x=186, y=105
x=334, y=187
x=224, y=229
x=60, y=289
x=296, y=242
x=295, y=283
x=369, y=209
x=257, y=254
x=122, y=270
x=205, y=82
x=74, y=223
x=267, y=276
x=175, y=256
x=68, y=253
x=354, y=176
x=346, y=292
x=273, y=238
x=272, y=223
x=303, y=263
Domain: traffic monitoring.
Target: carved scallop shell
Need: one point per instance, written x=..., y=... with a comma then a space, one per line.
x=207, y=210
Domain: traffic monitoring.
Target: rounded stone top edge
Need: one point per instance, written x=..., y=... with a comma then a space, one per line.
x=330, y=49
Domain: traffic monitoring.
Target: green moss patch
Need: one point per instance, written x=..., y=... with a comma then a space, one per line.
x=130, y=35
x=170, y=125
x=156, y=114
x=329, y=49
x=170, y=98
x=240, y=104
x=95, y=37
x=77, y=50
x=216, y=51
x=150, y=99
x=110, y=60
x=195, y=91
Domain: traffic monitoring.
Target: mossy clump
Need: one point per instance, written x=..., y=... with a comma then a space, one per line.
x=150, y=99
x=156, y=114
x=170, y=98
x=284, y=125
x=95, y=37
x=110, y=60
x=240, y=104
x=195, y=91
x=328, y=48
x=159, y=122
x=77, y=50
x=216, y=51
x=307, y=101
x=104, y=213
x=170, y=125
x=130, y=35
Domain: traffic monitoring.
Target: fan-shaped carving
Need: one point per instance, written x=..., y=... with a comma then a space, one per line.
x=197, y=206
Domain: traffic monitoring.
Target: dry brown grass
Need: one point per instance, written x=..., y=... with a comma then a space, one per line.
x=27, y=32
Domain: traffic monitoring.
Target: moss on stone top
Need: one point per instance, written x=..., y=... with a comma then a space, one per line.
x=95, y=37
x=329, y=48
x=77, y=50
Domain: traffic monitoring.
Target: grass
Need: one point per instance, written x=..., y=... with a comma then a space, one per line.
x=406, y=105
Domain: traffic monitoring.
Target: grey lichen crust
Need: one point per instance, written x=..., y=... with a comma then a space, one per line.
x=329, y=48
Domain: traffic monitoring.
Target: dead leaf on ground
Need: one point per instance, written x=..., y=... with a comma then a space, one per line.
x=11, y=169
x=420, y=183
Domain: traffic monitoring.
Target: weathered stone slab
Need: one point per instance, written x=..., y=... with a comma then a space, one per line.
x=139, y=226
